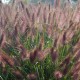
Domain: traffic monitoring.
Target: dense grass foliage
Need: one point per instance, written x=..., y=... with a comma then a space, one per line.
x=39, y=42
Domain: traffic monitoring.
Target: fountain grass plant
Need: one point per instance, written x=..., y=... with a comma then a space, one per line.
x=39, y=42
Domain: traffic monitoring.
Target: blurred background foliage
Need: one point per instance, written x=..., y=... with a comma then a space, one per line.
x=44, y=1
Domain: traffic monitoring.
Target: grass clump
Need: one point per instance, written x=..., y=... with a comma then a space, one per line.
x=39, y=42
